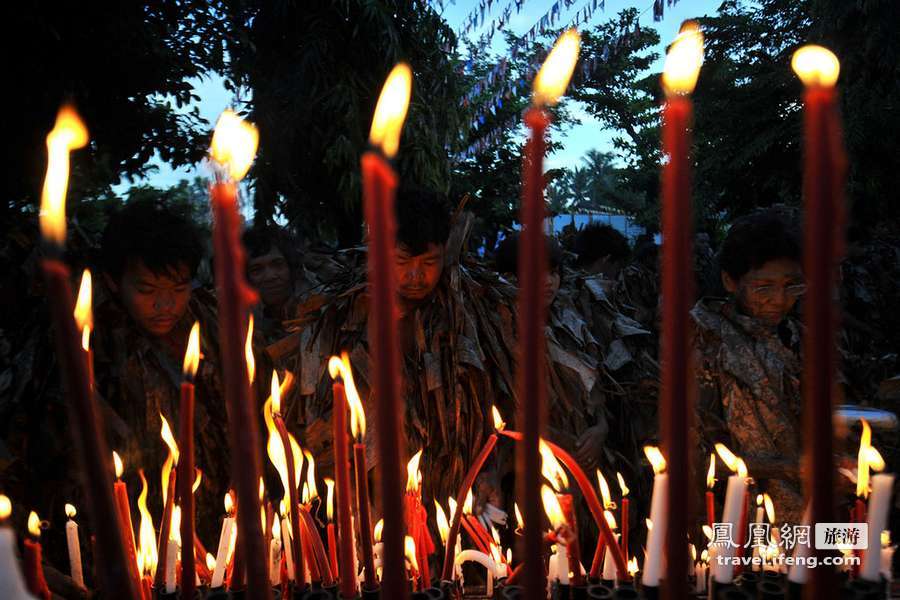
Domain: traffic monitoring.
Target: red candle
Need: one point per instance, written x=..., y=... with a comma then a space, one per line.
x=342, y=482
x=710, y=497
x=92, y=452
x=823, y=190
x=623, y=519
x=676, y=405
x=34, y=570
x=124, y=509
x=294, y=500
x=332, y=547
x=234, y=146
x=186, y=463
x=597, y=562
x=550, y=83
x=379, y=185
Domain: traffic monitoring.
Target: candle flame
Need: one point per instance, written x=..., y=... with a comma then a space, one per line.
x=704, y=556
x=192, y=353
x=234, y=144
x=610, y=519
x=5, y=507
x=211, y=560
x=70, y=510
x=274, y=447
x=175, y=527
x=442, y=524
x=276, y=393
x=34, y=524
x=229, y=504
x=413, y=475
x=604, y=490
x=276, y=529
x=311, y=475
x=770, y=508
x=467, y=505
x=885, y=538
x=147, y=554
x=693, y=552
x=683, y=61
x=197, y=479
x=759, y=499
x=622, y=485
x=552, y=507
x=248, y=352
x=553, y=78
x=632, y=566
x=329, y=498
x=68, y=133
x=869, y=459
x=519, y=520
x=741, y=468
x=728, y=457
x=409, y=550
x=551, y=469
x=711, y=473
x=708, y=532
x=649, y=525
x=451, y=505
x=171, y=459
x=379, y=527
x=390, y=112
x=117, y=463
x=657, y=461
x=340, y=366
x=816, y=66
x=499, y=423
x=84, y=317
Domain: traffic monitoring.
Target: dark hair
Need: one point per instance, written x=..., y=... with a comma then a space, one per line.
x=754, y=240
x=506, y=259
x=598, y=240
x=423, y=218
x=259, y=240
x=148, y=231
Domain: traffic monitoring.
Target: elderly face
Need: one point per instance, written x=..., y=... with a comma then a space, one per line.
x=270, y=274
x=769, y=292
x=418, y=274
x=155, y=301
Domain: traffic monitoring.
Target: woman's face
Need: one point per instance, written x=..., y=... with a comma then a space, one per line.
x=769, y=292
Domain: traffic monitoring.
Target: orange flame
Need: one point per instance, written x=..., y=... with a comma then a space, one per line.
x=118, y=465
x=499, y=423
x=379, y=528
x=147, y=554
x=341, y=366
x=610, y=519
x=311, y=475
x=816, y=66
x=604, y=490
x=551, y=469
x=552, y=507
x=5, y=507
x=770, y=508
x=248, y=352
x=553, y=78
x=69, y=133
x=520, y=522
x=657, y=461
x=234, y=144
x=229, y=504
x=211, y=560
x=622, y=485
x=632, y=566
x=442, y=523
x=467, y=505
x=711, y=473
x=192, y=353
x=329, y=498
x=390, y=112
x=274, y=447
x=409, y=550
x=451, y=506
x=413, y=475
x=84, y=316
x=34, y=524
x=683, y=60
x=171, y=459
x=70, y=510
x=197, y=479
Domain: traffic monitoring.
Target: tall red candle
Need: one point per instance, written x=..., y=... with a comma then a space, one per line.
x=379, y=185
x=676, y=405
x=123, y=507
x=34, y=570
x=623, y=520
x=823, y=198
x=234, y=145
x=91, y=450
x=186, y=463
x=346, y=542
x=293, y=499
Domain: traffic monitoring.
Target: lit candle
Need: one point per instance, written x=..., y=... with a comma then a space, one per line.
x=147, y=553
x=73, y=544
x=34, y=570
x=680, y=72
x=573, y=549
x=12, y=585
x=710, y=497
x=379, y=185
x=735, y=502
x=275, y=553
x=124, y=507
x=92, y=452
x=329, y=513
x=482, y=559
x=287, y=543
x=659, y=506
x=549, y=85
x=609, y=564
x=173, y=543
x=623, y=514
x=879, y=507
x=186, y=464
x=233, y=149
x=342, y=475
x=169, y=478
x=218, y=576
x=559, y=561
x=823, y=183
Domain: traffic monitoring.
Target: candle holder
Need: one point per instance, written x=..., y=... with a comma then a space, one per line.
x=559, y=591
x=625, y=592
x=312, y=594
x=511, y=592
x=599, y=591
x=447, y=588
x=860, y=589
x=650, y=592
x=375, y=594
x=770, y=590
x=219, y=593
x=331, y=590
x=579, y=592
x=749, y=580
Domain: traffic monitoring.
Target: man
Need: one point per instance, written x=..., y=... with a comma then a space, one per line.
x=749, y=365
x=271, y=269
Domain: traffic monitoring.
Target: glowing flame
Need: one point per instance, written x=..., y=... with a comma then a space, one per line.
x=329, y=498
x=552, y=507
x=728, y=457
x=759, y=499
x=274, y=447
x=211, y=560
x=551, y=469
x=704, y=556
x=5, y=507
x=741, y=468
x=885, y=538
x=276, y=529
x=519, y=520
x=70, y=511
x=711, y=473
x=197, y=479
x=499, y=423
x=413, y=475
x=229, y=504
x=770, y=508
x=248, y=352
x=649, y=525
x=409, y=550
x=869, y=459
x=610, y=519
x=622, y=485
x=171, y=459
x=379, y=527
x=708, y=532
x=175, y=527
x=683, y=61
x=467, y=505
x=147, y=555
x=234, y=144
x=553, y=78
x=451, y=504
x=693, y=552
x=69, y=133
x=311, y=475
x=632, y=566
x=34, y=524
x=390, y=112
x=816, y=66
x=656, y=459
x=341, y=367
x=84, y=316
x=119, y=466
x=495, y=546
x=604, y=490
x=442, y=523
x=192, y=353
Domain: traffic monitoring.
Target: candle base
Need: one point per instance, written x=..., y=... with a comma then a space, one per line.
x=625, y=592
x=511, y=592
x=771, y=590
x=598, y=591
x=748, y=581
x=219, y=593
x=860, y=589
x=579, y=592
x=375, y=594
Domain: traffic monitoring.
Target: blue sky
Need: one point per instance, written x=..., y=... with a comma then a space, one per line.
x=214, y=98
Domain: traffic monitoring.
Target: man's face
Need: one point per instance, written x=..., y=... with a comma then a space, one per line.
x=418, y=275
x=270, y=274
x=551, y=286
x=155, y=301
x=769, y=292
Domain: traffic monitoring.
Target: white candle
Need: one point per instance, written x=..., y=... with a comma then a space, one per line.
x=218, y=575
x=609, y=565
x=484, y=560
x=887, y=560
x=74, y=546
x=700, y=576
x=275, y=561
x=879, y=505
x=731, y=513
x=656, y=537
x=562, y=564
x=171, y=559
x=286, y=547
x=800, y=573
x=12, y=585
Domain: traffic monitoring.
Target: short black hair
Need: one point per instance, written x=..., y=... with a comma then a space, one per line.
x=423, y=218
x=754, y=240
x=156, y=235
x=259, y=240
x=506, y=259
x=597, y=240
